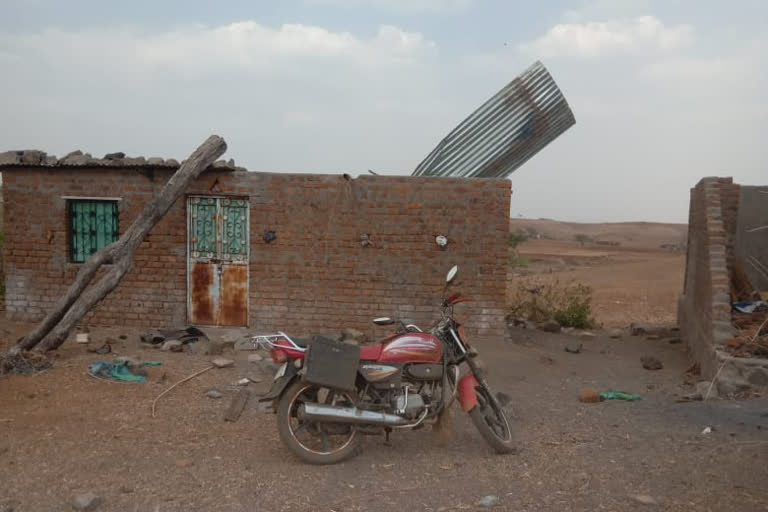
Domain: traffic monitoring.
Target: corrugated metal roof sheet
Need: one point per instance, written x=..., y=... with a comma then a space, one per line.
x=507, y=130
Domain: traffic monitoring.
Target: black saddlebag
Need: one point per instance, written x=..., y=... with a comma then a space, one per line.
x=332, y=364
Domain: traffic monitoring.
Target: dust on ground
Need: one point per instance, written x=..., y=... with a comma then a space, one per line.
x=63, y=433
x=639, y=284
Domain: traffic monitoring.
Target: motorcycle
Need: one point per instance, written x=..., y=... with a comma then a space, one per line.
x=328, y=394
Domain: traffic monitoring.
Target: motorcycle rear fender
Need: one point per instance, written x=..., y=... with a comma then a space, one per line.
x=280, y=384
x=467, y=394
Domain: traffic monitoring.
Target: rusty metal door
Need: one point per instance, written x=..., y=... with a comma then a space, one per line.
x=218, y=261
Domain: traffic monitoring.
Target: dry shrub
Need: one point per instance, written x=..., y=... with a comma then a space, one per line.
x=567, y=303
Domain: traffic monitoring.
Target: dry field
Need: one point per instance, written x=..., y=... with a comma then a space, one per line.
x=636, y=281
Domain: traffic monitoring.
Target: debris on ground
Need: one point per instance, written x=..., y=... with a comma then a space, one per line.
x=221, y=362
x=642, y=329
x=186, y=335
x=619, y=395
x=615, y=334
x=587, y=336
x=122, y=369
x=707, y=430
x=589, y=395
x=172, y=346
x=752, y=339
x=24, y=363
x=86, y=502
x=573, y=348
x=644, y=499
x=245, y=345
x=237, y=405
x=488, y=501
x=242, y=382
x=212, y=393
x=255, y=358
x=106, y=348
x=550, y=326
x=651, y=363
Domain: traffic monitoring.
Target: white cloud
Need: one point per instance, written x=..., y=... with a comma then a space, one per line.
x=400, y=5
x=640, y=35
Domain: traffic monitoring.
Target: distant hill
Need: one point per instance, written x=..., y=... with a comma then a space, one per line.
x=626, y=234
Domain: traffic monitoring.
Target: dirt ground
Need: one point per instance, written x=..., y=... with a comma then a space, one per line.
x=629, y=284
x=63, y=433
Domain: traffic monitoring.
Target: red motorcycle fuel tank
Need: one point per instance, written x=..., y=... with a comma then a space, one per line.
x=412, y=347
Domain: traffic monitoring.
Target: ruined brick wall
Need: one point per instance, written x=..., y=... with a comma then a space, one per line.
x=704, y=309
x=316, y=276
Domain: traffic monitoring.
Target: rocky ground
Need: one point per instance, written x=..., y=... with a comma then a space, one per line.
x=65, y=434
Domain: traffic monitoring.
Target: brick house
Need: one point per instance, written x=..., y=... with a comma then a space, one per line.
x=292, y=252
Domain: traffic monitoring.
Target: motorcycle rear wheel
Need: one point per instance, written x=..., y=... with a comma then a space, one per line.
x=315, y=442
x=491, y=422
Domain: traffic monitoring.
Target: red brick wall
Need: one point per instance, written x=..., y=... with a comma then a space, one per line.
x=704, y=309
x=316, y=276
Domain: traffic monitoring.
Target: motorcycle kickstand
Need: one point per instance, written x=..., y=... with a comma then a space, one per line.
x=387, y=431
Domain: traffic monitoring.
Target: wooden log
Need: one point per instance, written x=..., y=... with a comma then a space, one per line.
x=79, y=299
x=237, y=405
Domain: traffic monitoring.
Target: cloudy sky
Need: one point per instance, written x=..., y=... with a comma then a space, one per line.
x=664, y=92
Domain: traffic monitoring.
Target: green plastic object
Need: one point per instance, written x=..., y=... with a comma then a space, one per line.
x=619, y=395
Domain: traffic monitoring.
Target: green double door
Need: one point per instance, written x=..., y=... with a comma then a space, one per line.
x=218, y=261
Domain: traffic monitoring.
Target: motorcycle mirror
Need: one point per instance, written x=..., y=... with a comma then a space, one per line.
x=384, y=320
x=451, y=274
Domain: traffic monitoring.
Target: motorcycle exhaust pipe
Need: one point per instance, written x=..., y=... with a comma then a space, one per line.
x=333, y=414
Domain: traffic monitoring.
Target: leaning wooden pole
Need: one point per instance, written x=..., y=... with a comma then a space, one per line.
x=80, y=298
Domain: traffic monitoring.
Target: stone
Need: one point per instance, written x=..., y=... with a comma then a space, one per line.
x=573, y=348
x=77, y=160
x=212, y=393
x=651, y=363
x=86, y=502
x=172, y=162
x=702, y=388
x=758, y=376
x=76, y=152
x=587, y=336
x=255, y=358
x=32, y=157
x=9, y=158
x=242, y=382
x=550, y=326
x=130, y=362
x=730, y=381
x=615, y=334
x=255, y=379
x=589, y=395
x=568, y=330
x=155, y=161
x=221, y=362
x=644, y=499
x=201, y=346
x=51, y=160
x=488, y=501
x=118, y=155
x=172, y=346
x=139, y=160
x=216, y=348
x=245, y=345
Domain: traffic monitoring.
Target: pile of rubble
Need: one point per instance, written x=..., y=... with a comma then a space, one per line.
x=752, y=340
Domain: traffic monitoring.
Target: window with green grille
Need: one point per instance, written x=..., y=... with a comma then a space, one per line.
x=92, y=226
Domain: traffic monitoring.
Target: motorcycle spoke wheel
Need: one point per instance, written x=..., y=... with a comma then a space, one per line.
x=491, y=422
x=318, y=440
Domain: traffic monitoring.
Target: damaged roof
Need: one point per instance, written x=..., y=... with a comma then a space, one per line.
x=505, y=132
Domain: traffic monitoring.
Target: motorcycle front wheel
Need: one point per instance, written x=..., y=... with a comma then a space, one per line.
x=315, y=442
x=491, y=422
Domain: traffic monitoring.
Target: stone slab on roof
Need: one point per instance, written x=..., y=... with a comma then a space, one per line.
x=37, y=158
